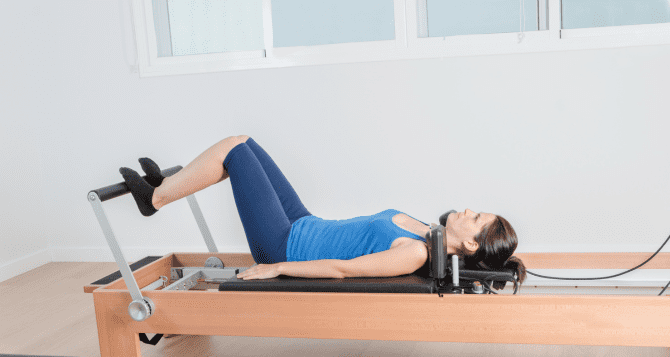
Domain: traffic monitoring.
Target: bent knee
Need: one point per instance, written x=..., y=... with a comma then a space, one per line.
x=232, y=141
x=224, y=147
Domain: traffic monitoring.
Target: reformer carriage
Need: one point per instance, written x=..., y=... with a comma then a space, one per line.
x=199, y=294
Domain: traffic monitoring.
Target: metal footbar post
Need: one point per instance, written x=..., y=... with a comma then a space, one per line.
x=200, y=219
x=141, y=308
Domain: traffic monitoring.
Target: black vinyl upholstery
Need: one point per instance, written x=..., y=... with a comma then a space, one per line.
x=117, y=274
x=407, y=284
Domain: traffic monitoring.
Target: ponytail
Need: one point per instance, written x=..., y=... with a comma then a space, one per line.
x=516, y=265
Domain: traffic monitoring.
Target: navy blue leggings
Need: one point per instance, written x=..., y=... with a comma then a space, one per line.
x=265, y=200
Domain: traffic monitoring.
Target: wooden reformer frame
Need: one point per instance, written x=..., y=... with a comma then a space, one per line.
x=598, y=320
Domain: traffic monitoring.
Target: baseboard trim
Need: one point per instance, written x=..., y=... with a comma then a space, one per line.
x=29, y=262
x=103, y=254
x=24, y=264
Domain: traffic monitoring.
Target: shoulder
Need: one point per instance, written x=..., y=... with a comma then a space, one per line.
x=404, y=259
x=419, y=248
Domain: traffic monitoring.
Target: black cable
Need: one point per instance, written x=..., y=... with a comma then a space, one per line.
x=488, y=288
x=607, y=277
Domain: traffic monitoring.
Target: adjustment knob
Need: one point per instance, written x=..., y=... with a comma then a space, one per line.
x=141, y=310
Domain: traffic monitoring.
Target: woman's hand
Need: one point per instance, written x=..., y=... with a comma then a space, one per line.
x=260, y=271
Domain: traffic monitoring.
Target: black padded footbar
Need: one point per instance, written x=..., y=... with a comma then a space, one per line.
x=120, y=189
x=410, y=283
x=117, y=274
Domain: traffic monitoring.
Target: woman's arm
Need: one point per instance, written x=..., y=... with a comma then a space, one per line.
x=401, y=260
x=325, y=268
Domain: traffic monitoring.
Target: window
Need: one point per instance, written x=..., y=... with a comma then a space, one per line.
x=198, y=36
x=459, y=17
x=603, y=13
x=193, y=27
x=323, y=22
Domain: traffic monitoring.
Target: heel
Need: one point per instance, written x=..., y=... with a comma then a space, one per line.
x=141, y=190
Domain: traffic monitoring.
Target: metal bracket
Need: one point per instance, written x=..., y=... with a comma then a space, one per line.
x=200, y=219
x=141, y=308
x=124, y=268
x=187, y=277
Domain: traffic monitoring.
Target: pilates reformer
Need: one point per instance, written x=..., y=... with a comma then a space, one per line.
x=200, y=294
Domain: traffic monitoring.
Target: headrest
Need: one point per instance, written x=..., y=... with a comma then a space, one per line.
x=440, y=264
x=438, y=252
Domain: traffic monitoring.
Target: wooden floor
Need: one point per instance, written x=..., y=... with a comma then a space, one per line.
x=46, y=312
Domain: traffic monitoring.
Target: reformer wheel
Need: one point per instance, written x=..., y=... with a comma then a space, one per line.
x=213, y=262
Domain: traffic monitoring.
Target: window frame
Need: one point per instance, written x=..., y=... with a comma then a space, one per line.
x=407, y=45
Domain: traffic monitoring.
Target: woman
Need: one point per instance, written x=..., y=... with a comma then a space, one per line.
x=285, y=238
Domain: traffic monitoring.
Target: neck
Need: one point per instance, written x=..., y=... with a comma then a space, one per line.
x=451, y=248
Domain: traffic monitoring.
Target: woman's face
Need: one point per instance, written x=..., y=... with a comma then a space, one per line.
x=462, y=227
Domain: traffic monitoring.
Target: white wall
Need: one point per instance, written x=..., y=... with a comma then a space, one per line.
x=570, y=147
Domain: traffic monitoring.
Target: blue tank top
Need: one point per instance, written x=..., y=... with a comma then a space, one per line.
x=314, y=238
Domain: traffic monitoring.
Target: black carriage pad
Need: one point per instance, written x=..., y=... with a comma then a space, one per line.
x=416, y=283
x=117, y=274
x=406, y=284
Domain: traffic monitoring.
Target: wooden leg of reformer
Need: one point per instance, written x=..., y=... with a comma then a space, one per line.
x=114, y=334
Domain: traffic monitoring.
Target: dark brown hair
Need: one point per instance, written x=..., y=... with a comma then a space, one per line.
x=497, y=242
